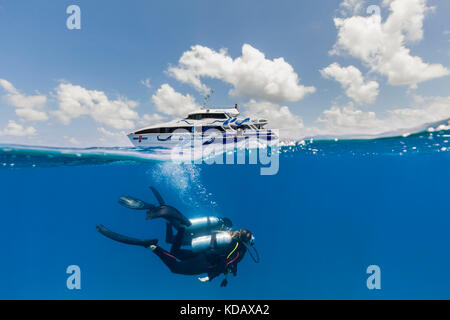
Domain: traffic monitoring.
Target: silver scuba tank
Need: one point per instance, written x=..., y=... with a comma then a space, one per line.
x=204, y=223
x=223, y=239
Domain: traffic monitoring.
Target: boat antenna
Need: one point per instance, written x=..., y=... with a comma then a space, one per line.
x=207, y=97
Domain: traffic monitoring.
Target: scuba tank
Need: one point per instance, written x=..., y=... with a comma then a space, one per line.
x=223, y=239
x=205, y=224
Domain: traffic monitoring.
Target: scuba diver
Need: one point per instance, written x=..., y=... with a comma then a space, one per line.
x=215, y=248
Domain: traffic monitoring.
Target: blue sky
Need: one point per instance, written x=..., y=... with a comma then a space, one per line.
x=85, y=87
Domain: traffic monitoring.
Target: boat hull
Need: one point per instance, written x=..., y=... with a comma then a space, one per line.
x=171, y=140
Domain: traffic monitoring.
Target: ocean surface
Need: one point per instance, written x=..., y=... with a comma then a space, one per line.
x=334, y=208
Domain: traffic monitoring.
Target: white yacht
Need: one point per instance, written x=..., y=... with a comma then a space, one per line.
x=209, y=125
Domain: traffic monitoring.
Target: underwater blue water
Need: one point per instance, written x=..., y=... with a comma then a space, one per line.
x=333, y=209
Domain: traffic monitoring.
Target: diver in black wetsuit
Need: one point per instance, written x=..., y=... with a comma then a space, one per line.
x=213, y=261
x=216, y=249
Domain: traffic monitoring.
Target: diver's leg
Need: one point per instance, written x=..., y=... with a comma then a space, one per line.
x=169, y=233
x=184, y=254
x=168, y=259
x=170, y=214
x=176, y=250
x=124, y=239
x=178, y=241
x=187, y=267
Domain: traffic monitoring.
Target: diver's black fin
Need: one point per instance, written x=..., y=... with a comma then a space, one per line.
x=169, y=213
x=124, y=239
x=158, y=196
x=134, y=203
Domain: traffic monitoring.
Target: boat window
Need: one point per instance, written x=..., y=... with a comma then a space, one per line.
x=200, y=116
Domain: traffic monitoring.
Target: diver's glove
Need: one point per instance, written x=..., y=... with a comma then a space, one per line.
x=224, y=283
x=204, y=279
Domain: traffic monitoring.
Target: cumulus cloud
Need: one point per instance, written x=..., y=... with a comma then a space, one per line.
x=75, y=101
x=352, y=81
x=252, y=75
x=27, y=106
x=17, y=130
x=382, y=45
x=114, y=139
x=30, y=114
x=425, y=110
x=173, y=103
x=351, y=7
x=350, y=120
x=147, y=119
x=108, y=133
x=279, y=117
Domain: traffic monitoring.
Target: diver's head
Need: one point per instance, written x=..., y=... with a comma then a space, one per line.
x=247, y=237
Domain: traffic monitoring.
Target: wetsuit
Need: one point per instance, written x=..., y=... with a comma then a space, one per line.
x=212, y=261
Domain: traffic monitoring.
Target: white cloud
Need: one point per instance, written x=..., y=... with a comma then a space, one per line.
x=279, y=117
x=146, y=83
x=352, y=80
x=350, y=120
x=29, y=114
x=105, y=132
x=147, y=119
x=26, y=105
x=75, y=101
x=15, y=129
x=173, y=103
x=426, y=109
x=113, y=139
x=72, y=140
x=8, y=86
x=251, y=75
x=351, y=7
x=382, y=45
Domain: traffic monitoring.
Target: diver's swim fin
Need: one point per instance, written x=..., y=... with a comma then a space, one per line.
x=158, y=196
x=124, y=239
x=169, y=213
x=134, y=203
